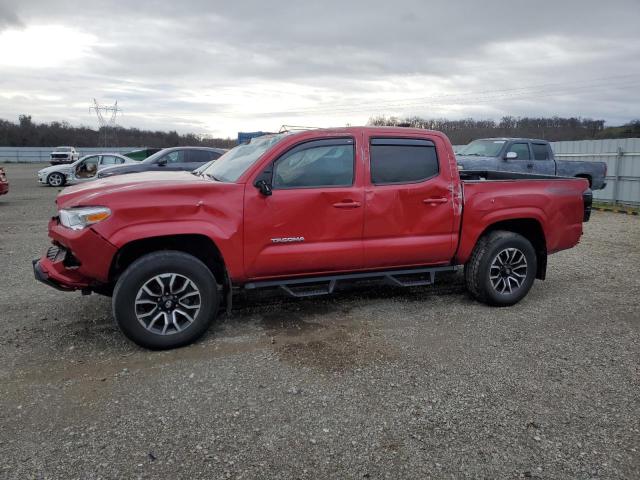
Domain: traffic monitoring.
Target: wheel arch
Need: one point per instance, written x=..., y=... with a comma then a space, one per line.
x=200, y=246
x=532, y=230
x=587, y=177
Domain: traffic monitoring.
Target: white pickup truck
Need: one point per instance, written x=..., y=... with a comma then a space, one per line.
x=63, y=155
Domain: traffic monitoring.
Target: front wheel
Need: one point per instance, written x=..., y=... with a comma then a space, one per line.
x=165, y=300
x=55, y=179
x=502, y=268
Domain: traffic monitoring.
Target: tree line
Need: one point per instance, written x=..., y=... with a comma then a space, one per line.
x=27, y=133
x=553, y=129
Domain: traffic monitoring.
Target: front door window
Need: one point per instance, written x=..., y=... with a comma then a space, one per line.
x=87, y=168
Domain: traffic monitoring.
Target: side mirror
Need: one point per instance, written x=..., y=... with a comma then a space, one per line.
x=264, y=187
x=162, y=162
x=511, y=156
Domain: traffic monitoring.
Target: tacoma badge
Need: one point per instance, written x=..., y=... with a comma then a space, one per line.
x=287, y=240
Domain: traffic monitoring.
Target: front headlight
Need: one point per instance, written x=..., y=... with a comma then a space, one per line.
x=82, y=217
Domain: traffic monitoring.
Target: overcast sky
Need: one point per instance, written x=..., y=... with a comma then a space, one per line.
x=218, y=67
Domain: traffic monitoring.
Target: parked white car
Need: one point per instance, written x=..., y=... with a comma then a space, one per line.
x=81, y=170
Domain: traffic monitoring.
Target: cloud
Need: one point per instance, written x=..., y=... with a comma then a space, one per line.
x=219, y=67
x=8, y=18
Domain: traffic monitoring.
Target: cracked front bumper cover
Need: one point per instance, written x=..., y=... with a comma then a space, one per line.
x=43, y=277
x=51, y=270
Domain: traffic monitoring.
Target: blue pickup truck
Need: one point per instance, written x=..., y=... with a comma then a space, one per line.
x=526, y=155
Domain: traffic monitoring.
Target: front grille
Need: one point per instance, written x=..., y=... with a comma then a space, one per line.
x=55, y=253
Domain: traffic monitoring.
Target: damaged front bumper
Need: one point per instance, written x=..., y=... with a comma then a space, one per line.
x=77, y=260
x=52, y=271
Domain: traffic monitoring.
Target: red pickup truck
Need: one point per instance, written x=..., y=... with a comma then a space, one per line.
x=304, y=211
x=4, y=183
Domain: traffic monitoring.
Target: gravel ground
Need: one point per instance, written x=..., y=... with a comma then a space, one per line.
x=372, y=382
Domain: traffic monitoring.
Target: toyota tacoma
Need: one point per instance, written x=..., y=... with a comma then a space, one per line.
x=304, y=211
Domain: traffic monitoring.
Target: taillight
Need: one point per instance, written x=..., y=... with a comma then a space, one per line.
x=587, y=199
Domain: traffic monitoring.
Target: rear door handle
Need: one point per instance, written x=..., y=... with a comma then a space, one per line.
x=433, y=201
x=347, y=204
x=529, y=165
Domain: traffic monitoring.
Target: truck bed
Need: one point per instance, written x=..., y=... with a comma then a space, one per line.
x=482, y=175
x=558, y=204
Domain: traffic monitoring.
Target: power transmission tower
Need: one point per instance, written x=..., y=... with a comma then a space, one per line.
x=106, y=120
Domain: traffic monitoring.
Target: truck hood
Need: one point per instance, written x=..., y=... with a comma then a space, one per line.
x=471, y=162
x=121, y=187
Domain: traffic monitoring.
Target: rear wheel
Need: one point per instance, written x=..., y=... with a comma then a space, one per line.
x=165, y=300
x=55, y=179
x=502, y=268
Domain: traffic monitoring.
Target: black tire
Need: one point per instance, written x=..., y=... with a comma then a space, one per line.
x=164, y=263
x=56, y=179
x=478, y=270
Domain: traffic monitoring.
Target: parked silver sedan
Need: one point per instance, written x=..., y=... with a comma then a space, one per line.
x=81, y=170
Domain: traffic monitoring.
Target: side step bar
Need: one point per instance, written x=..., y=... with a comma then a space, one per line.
x=325, y=285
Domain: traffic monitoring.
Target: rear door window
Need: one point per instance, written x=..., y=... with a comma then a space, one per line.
x=540, y=151
x=200, y=156
x=400, y=160
x=111, y=160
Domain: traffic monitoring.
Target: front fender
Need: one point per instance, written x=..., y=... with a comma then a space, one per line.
x=228, y=241
x=142, y=231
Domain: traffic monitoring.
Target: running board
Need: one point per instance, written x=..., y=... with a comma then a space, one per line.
x=309, y=287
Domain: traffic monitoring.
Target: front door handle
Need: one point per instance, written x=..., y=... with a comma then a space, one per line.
x=433, y=201
x=347, y=204
x=529, y=165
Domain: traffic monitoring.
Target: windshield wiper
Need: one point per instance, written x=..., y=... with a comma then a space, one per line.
x=213, y=177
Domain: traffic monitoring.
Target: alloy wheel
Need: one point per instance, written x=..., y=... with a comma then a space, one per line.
x=55, y=180
x=167, y=304
x=508, y=271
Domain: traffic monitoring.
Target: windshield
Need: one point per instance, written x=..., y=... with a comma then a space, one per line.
x=230, y=166
x=482, y=148
x=63, y=149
